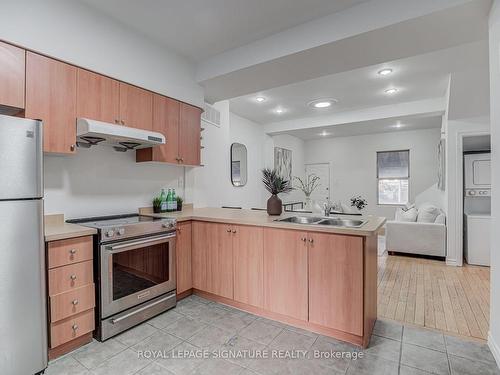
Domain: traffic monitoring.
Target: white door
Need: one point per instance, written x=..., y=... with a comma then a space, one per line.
x=322, y=170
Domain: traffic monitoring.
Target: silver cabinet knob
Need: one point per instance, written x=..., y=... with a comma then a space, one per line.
x=72, y=251
x=74, y=327
x=117, y=121
x=72, y=147
x=234, y=230
x=73, y=277
x=311, y=240
x=228, y=230
x=303, y=239
x=75, y=302
x=122, y=122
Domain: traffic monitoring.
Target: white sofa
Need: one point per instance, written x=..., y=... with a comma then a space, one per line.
x=419, y=230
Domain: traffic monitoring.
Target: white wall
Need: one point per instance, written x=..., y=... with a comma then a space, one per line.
x=73, y=32
x=212, y=183
x=101, y=181
x=494, y=28
x=296, y=145
x=353, y=163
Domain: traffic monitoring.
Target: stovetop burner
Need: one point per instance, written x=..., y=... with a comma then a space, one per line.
x=125, y=226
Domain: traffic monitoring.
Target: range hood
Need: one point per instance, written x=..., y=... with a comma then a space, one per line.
x=122, y=138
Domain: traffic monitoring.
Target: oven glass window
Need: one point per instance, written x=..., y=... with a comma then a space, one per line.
x=135, y=271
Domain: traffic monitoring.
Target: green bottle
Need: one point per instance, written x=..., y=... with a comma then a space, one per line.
x=174, y=200
x=163, y=198
x=169, y=201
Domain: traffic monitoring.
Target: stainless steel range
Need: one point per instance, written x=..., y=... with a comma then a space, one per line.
x=134, y=265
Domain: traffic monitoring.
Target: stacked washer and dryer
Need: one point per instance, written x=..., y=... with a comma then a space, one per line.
x=477, y=207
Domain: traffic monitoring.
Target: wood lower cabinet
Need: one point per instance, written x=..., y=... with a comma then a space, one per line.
x=285, y=272
x=190, y=135
x=248, y=265
x=98, y=97
x=183, y=257
x=336, y=282
x=51, y=97
x=71, y=294
x=12, y=77
x=212, y=258
x=136, y=107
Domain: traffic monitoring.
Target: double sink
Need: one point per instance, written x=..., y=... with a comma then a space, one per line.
x=333, y=222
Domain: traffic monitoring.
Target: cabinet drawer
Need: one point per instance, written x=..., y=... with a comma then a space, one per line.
x=72, y=250
x=71, y=328
x=73, y=302
x=70, y=277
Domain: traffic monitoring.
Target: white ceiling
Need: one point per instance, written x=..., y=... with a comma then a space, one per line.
x=199, y=29
x=417, y=78
x=369, y=127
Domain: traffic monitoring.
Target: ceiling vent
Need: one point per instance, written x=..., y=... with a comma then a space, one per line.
x=211, y=115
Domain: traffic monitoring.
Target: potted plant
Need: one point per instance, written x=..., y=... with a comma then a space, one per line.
x=179, y=203
x=275, y=184
x=307, y=186
x=358, y=202
x=157, y=205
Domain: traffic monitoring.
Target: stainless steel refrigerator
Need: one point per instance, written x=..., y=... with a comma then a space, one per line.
x=23, y=307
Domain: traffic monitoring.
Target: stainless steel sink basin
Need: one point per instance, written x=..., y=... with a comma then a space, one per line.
x=335, y=222
x=301, y=219
x=329, y=221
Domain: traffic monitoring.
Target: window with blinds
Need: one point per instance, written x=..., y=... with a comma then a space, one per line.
x=393, y=174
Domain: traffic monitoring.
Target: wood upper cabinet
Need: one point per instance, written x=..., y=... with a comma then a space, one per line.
x=98, y=97
x=183, y=257
x=51, y=97
x=136, y=107
x=336, y=281
x=190, y=135
x=181, y=125
x=166, y=113
x=248, y=265
x=212, y=258
x=285, y=272
x=12, y=76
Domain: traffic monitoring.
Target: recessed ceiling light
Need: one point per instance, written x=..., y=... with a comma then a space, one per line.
x=391, y=91
x=260, y=99
x=322, y=103
x=398, y=125
x=324, y=133
x=279, y=111
x=385, y=72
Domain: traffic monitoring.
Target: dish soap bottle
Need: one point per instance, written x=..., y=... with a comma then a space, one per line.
x=163, y=198
x=174, y=200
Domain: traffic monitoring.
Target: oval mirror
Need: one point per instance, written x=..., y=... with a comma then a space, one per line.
x=238, y=164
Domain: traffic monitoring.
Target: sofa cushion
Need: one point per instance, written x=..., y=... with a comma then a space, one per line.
x=428, y=213
x=409, y=215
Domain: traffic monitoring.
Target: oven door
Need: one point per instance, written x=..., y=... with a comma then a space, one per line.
x=135, y=271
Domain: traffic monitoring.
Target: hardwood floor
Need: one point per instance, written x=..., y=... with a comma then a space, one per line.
x=431, y=294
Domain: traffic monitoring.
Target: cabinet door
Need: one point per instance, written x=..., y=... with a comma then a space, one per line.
x=136, y=107
x=248, y=265
x=336, y=282
x=12, y=75
x=189, y=134
x=51, y=97
x=220, y=261
x=285, y=272
x=200, y=247
x=183, y=257
x=166, y=113
x=98, y=97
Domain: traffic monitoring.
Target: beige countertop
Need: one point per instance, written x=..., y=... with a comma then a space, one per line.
x=261, y=218
x=57, y=229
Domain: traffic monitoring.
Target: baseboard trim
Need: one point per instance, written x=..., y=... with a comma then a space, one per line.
x=495, y=349
x=452, y=262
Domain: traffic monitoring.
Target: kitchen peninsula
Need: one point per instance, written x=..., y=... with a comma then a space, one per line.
x=315, y=277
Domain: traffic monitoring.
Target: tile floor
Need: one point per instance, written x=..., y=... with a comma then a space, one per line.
x=197, y=324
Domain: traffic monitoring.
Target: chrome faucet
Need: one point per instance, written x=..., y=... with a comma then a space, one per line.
x=328, y=205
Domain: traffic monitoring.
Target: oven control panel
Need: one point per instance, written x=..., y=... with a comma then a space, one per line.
x=113, y=233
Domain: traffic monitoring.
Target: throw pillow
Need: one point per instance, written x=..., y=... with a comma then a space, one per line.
x=409, y=215
x=428, y=213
